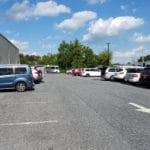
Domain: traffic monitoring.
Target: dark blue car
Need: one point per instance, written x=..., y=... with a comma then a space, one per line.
x=16, y=76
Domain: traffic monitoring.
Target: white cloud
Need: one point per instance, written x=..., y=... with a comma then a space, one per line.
x=23, y=11
x=22, y=45
x=127, y=56
x=124, y=8
x=111, y=27
x=129, y=53
x=20, y=11
x=9, y=32
x=139, y=38
x=77, y=21
x=46, y=46
x=96, y=1
x=50, y=8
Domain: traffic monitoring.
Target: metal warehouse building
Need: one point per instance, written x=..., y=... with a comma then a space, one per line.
x=9, y=53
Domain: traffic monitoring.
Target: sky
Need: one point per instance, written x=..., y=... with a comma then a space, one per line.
x=39, y=26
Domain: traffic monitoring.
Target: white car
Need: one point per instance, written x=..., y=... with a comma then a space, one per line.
x=52, y=69
x=120, y=74
x=89, y=72
x=37, y=74
x=133, y=75
x=110, y=72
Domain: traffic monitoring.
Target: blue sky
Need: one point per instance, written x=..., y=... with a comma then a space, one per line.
x=39, y=26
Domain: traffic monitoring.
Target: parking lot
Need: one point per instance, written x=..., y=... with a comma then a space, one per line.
x=67, y=112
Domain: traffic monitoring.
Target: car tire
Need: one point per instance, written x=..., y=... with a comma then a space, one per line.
x=21, y=86
x=87, y=75
x=112, y=78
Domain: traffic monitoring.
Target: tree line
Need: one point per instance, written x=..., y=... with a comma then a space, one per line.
x=71, y=54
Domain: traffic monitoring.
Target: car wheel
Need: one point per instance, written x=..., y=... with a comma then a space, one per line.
x=112, y=78
x=87, y=75
x=21, y=86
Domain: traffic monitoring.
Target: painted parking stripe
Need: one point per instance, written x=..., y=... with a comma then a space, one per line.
x=29, y=123
x=26, y=103
x=140, y=108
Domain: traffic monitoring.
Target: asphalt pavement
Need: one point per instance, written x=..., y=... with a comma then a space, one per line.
x=76, y=113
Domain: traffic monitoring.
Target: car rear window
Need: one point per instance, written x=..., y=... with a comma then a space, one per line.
x=134, y=70
x=131, y=70
x=20, y=70
x=6, y=71
x=119, y=70
x=112, y=70
x=146, y=70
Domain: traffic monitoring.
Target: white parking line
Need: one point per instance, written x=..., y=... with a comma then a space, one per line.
x=29, y=123
x=27, y=103
x=141, y=108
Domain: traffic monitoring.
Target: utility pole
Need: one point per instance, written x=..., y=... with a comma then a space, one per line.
x=143, y=63
x=108, y=52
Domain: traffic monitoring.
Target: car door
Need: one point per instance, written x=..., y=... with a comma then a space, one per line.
x=6, y=77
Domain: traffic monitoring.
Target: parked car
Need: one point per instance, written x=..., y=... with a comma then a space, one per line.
x=133, y=74
x=17, y=77
x=69, y=71
x=145, y=76
x=77, y=72
x=88, y=72
x=120, y=74
x=110, y=72
x=52, y=69
x=37, y=74
x=42, y=68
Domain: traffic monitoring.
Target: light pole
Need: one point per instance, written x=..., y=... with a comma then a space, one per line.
x=108, y=52
x=143, y=64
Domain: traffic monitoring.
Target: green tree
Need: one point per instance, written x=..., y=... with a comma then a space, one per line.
x=146, y=58
x=49, y=59
x=29, y=59
x=63, y=55
x=103, y=58
x=89, y=59
x=75, y=55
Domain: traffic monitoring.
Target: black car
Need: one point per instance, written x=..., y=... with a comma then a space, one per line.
x=145, y=76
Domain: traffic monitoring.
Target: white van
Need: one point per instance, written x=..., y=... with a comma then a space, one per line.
x=52, y=69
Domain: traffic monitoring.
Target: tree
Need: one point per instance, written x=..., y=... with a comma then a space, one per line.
x=103, y=57
x=75, y=55
x=63, y=55
x=29, y=59
x=146, y=58
x=49, y=59
x=89, y=59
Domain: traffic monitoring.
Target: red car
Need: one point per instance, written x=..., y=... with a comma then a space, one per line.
x=76, y=72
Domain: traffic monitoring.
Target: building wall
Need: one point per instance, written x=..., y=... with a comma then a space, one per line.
x=9, y=54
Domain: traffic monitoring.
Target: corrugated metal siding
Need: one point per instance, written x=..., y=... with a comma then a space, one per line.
x=9, y=54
